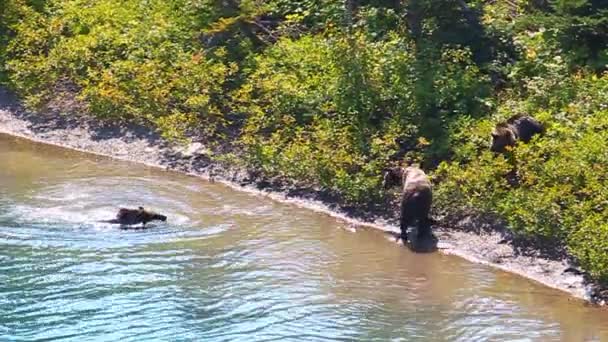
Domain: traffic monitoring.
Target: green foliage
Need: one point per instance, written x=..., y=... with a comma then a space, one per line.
x=559, y=190
x=327, y=111
x=579, y=28
x=12, y=12
x=132, y=61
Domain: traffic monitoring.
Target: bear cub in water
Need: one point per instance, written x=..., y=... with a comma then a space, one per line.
x=416, y=199
x=129, y=217
x=518, y=127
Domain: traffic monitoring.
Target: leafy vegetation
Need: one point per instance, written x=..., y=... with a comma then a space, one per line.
x=327, y=93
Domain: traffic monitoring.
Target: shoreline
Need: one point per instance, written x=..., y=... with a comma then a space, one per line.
x=133, y=143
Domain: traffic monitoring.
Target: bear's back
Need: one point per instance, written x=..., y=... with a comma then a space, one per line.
x=416, y=179
x=128, y=216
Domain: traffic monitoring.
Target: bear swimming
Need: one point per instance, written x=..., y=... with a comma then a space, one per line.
x=416, y=199
x=518, y=127
x=129, y=217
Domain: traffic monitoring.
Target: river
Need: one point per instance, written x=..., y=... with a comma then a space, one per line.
x=230, y=266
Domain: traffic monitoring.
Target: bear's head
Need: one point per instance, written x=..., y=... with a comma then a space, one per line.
x=392, y=177
x=502, y=136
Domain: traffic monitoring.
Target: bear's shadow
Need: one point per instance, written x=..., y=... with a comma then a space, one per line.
x=426, y=244
x=136, y=227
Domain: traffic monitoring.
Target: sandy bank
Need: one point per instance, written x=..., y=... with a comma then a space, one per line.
x=134, y=143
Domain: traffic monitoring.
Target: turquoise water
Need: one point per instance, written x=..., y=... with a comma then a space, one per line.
x=230, y=266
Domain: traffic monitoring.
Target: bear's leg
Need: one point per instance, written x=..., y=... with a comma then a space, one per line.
x=424, y=228
x=422, y=204
x=407, y=211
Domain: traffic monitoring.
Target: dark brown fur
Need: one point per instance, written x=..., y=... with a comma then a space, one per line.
x=129, y=217
x=416, y=199
x=516, y=128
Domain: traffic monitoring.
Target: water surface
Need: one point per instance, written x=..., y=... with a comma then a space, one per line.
x=231, y=266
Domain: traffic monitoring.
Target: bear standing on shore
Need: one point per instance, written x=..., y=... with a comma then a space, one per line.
x=518, y=127
x=416, y=199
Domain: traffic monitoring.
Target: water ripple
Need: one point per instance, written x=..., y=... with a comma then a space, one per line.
x=232, y=266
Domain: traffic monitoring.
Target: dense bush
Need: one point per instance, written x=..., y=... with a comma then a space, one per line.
x=560, y=190
x=131, y=60
x=326, y=93
x=12, y=12
x=579, y=27
x=328, y=110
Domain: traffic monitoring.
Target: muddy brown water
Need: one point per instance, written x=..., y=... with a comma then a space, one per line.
x=231, y=266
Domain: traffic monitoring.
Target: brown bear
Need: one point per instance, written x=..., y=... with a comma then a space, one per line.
x=416, y=199
x=128, y=217
x=518, y=127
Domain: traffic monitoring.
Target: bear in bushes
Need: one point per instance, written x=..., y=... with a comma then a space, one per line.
x=516, y=128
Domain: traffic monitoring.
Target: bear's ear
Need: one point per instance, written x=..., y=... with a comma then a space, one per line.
x=495, y=135
x=141, y=208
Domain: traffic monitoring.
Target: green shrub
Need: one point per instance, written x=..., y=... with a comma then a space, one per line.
x=9, y=15
x=327, y=111
x=127, y=61
x=561, y=190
